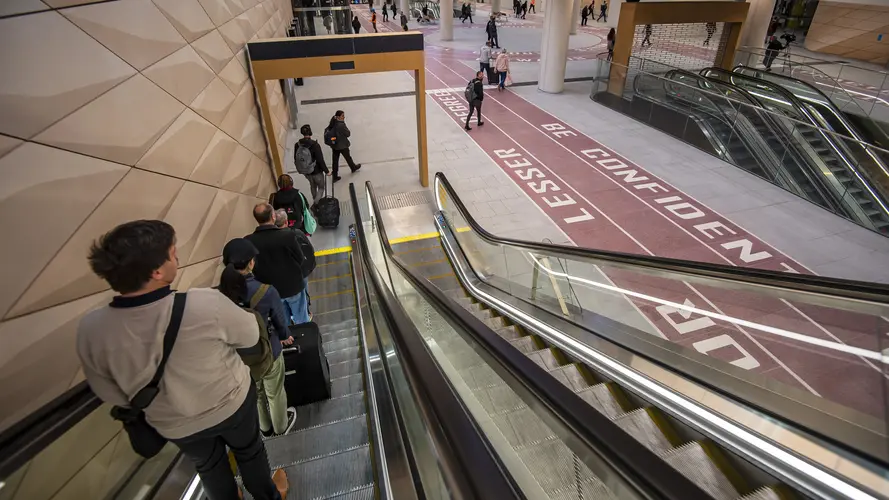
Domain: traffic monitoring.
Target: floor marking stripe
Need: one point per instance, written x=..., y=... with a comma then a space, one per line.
x=334, y=294
x=331, y=278
x=416, y=237
x=332, y=251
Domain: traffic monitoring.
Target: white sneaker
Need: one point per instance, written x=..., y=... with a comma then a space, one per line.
x=291, y=420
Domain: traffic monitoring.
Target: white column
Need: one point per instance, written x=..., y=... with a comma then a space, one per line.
x=554, y=48
x=540, y=6
x=757, y=23
x=404, y=7
x=575, y=15
x=495, y=6
x=446, y=8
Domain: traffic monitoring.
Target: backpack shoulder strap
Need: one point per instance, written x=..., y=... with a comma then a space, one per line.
x=260, y=293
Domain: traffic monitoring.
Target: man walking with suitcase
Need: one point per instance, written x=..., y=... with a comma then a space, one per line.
x=484, y=61
x=206, y=400
x=336, y=135
x=280, y=262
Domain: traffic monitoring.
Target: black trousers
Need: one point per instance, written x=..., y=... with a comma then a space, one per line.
x=476, y=106
x=336, y=160
x=240, y=432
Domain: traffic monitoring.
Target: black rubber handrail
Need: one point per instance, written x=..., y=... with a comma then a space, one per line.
x=631, y=460
x=832, y=287
x=469, y=460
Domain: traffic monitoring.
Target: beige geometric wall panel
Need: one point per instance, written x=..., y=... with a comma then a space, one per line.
x=25, y=358
x=850, y=30
x=57, y=4
x=243, y=222
x=55, y=69
x=250, y=182
x=233, y=34
x=10, y=7
x=217, y=10
x=215, y=160
x=140, y=195
x=233, y=176
x=7, y=144
x=120, y=125
x=213, y=49
x=187, y=16
x=239, y=114
x=178, y=150
x=187, y=214
x=197, y=275
x=183, y=74
x=32, y=176
x=133, y=29
x=234, y=75
x=215, y=227
x=213, y=102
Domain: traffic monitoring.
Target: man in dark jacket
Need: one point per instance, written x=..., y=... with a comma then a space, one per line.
x=291, y=200
x=476, y=99
x=274, y=414
x=772, y=50
x=316, y=179
x=280, y=262
x=341, y=144
x=491, y=30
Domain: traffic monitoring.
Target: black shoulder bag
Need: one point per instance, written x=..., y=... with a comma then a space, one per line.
x=145, y=440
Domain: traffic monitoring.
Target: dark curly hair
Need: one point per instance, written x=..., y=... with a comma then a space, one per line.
x=126, y=256
x=306, y=130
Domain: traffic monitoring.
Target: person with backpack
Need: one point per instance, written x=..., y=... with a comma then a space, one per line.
x=474, y=95
x=241, y=287
x=203, y=400
x=309, y=161
x=336, y=135
x=291, y=200
x=282, y=262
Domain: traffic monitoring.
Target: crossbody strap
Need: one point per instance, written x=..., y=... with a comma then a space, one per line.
x=146, y=395
x=260, y=293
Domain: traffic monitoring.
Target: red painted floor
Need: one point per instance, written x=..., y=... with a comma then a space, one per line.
x=602, y=200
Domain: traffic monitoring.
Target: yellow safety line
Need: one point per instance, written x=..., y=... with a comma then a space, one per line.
x=446, y=275
x=437, y=247
x=462, y=229
x=328, y=295
x=331, y=251
x=335, y=311
x=405, y=239
x=331, y=278
x=428, y=263
x=331, y=262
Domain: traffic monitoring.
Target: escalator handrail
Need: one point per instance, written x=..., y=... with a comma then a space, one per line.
x=471, y=468
x=835, y=287
x=770, y=121
x=633, y=461
x=25, y=439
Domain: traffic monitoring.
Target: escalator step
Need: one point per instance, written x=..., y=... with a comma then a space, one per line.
x=363, y=493
x=554, y=465
x=495, y=323
x=523, y=427
x=456, y=293
x=347, y=385
x=525, y=345
x=344, y=369
x=339, y=334
x=508, y=332
x=343, y=355
x=481, y=314
x=498, y=399
x=545, y=358
x=336, y=476
x=602, y=399
x=345, y=343
x=480, y=376
x=465, y=302
x=692, y=461
x=317, y=442
x=589, y=489
x=638, y=423
x=335, y=327
x=764, y=493
x=570, y=377
x=329, y=411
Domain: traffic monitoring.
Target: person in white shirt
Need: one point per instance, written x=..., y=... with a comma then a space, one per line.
x=484, y=60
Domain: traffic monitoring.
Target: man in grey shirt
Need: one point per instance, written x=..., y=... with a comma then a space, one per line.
x=207, y=400
x=484, y=60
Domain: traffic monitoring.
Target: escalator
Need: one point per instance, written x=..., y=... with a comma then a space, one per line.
x=456, y=267
x=826, y=152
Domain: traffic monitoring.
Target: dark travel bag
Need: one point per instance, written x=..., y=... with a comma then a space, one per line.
x=307, y=373
x=327, y=210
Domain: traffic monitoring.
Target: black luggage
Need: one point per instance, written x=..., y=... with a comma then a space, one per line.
x=327, y=210
x=492, y=76
x=307, y=373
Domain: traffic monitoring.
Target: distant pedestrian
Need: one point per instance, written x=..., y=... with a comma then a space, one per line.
x=647, y=39
x=403, y=21
x=516, y=5
x=584, y=15
x=373, y=19
x=491, y=30
x=385, y=14
x=501, y=64
x=328, y=22
x=340, y=133
x=603, y=11
x=356, y=24
x=531, y=8
x=611, y=39
x=772, y=49
x=711, y=29
x=484, y=61
x=474, y=96
x=309, y=158
x=524, y=8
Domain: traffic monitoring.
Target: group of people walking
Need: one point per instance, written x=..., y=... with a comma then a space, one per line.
x=387, y=9
x=588, y=11
x=521, y=8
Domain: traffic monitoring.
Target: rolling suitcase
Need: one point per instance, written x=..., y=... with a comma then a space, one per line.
x=493, y=79
x=306, y=371
x=327, y=210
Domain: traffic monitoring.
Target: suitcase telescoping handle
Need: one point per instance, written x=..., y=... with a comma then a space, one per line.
x=294, y=348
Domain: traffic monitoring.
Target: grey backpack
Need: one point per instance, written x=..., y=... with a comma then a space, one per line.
x=302, y=157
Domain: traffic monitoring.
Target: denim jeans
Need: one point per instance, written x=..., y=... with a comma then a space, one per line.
x=297, y=306
x=240, y=432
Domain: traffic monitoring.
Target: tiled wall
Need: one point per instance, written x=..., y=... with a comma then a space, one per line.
x=851, y=30
x=111, y=112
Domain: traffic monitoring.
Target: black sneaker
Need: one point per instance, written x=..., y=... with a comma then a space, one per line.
x=267, y=434
x=291, y=421
x=357, y=168
x=467, y=128
x=337, y=179
x=481, y=123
